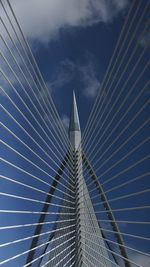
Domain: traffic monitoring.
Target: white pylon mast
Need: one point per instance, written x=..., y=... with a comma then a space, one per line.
x=86, y=221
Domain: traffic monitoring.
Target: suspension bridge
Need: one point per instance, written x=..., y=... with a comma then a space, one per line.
x=75, y=199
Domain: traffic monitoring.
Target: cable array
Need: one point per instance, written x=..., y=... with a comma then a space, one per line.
x=61, y=207
x=115, y=144
x=35, y=150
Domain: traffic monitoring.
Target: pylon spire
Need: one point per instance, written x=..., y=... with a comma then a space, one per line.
x=74, y=127
x=86, y=221
x=74, y=120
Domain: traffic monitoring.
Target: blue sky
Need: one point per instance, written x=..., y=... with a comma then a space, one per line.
x=72, y=42
x=68, y=43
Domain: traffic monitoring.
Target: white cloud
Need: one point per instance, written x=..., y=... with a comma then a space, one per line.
x=66, y=71
x=84, y=71
x=42, y=19
x=43, y=94
x=145, y=41
x=63, y=74
x=48, y=85
x=13, y=68
x=89, y=80
x=65, y=121
x=5, y=71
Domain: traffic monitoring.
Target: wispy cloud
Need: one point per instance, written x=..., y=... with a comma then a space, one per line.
x=6, y=75
x=145, y=41
x=84, y=72
x=65, y=121
x=63, y=74
x=46, y=18
x=89, y=79
x=13, y=67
